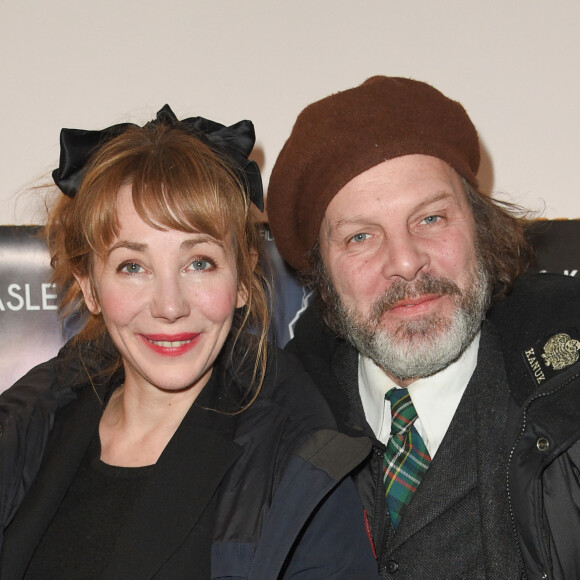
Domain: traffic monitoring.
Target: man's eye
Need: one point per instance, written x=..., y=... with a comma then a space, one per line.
x=431, y=219
x=359, y=237
x=131, y=268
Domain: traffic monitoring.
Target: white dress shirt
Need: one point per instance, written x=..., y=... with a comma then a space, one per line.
x=435, y=398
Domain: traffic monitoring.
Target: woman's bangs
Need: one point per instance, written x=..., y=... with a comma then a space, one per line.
x=186, y=207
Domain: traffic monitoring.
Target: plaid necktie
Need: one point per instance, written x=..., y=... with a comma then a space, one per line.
x=406, y=458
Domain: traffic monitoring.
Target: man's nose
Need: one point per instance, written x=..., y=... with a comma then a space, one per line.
x=405, y=256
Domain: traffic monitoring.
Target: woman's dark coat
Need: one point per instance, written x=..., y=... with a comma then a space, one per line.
x=274, y=474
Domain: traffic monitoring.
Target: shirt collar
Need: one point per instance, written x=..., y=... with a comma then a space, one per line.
x=436, y=398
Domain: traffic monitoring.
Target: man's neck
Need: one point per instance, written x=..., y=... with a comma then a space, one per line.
x=435, y=398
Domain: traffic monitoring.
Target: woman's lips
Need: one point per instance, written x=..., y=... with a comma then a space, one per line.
x=171, y=344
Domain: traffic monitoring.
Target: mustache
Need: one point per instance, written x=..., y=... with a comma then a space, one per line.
x=402, y=290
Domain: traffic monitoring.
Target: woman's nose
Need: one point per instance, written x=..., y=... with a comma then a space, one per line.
x=169, y=300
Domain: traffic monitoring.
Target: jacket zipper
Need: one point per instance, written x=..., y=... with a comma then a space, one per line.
x=509, y=495
x=510, y=457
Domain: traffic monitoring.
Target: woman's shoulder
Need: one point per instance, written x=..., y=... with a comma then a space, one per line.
x=291, y=390
x=42, y=390
x=27, y=411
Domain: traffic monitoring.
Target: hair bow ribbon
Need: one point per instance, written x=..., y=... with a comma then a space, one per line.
x=235, y=143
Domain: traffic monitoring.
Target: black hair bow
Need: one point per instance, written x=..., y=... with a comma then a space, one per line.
x=234, y=143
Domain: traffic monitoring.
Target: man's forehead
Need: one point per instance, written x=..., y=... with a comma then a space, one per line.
x=416, y=179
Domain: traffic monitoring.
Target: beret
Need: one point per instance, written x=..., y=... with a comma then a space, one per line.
x=341, y=136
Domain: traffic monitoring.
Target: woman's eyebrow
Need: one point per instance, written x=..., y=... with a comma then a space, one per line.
x=202, y=239
x=189, y=243
x=135, y=246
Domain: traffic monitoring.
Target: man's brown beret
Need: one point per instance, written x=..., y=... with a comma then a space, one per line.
x=343, y=135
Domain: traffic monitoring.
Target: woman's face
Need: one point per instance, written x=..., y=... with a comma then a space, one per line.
x=167, y=299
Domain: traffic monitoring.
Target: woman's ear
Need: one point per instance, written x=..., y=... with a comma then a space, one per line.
x=242, y=290
x=88, y=294
x=242, y=296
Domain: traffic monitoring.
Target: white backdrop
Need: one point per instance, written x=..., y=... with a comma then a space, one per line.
x=91, y=63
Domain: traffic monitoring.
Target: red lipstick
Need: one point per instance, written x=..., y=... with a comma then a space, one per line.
x=171, y=344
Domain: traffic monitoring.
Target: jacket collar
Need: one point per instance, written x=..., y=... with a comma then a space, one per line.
x=171, y=503
x=541, y=308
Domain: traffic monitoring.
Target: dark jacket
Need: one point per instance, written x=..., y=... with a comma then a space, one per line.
x=501, y=498
x=274, y=475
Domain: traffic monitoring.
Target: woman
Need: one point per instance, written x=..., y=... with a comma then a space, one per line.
x=168, y=441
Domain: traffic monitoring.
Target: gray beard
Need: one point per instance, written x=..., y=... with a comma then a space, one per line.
x=418, y=348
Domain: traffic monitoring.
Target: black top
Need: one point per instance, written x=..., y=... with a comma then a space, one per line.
x=82, y=534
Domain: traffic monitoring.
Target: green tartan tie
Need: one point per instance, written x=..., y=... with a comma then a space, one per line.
x=406, y=458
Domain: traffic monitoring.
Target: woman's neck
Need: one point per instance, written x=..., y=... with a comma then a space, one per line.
x=137, y=424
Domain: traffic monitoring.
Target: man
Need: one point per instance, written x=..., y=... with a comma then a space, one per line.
x=428, y=338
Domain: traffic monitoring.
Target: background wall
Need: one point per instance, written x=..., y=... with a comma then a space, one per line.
x=91, y=63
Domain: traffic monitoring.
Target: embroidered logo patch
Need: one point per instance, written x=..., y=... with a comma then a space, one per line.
x=549, y=356
x=561, y=351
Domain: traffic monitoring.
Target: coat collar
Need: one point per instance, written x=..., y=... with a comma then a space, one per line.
x=541, y=308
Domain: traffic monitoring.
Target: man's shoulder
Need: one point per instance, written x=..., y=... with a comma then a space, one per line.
x=545, y=285
x=540, y=315
x=539, y=301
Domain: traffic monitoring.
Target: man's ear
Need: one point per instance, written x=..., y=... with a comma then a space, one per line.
x=242, y=290
x=88, y=294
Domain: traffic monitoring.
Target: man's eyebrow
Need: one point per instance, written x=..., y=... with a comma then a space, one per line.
x=443, y=195
x=346, y=222
x=438, y=196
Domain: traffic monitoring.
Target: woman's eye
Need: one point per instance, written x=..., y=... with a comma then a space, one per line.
x=131, y=268
x=200, y=265
x=431, y=219
x=359, y=237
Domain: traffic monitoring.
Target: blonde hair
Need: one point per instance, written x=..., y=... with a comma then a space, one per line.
x=177, y=183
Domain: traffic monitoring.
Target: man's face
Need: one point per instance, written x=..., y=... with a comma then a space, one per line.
x=406, y=286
